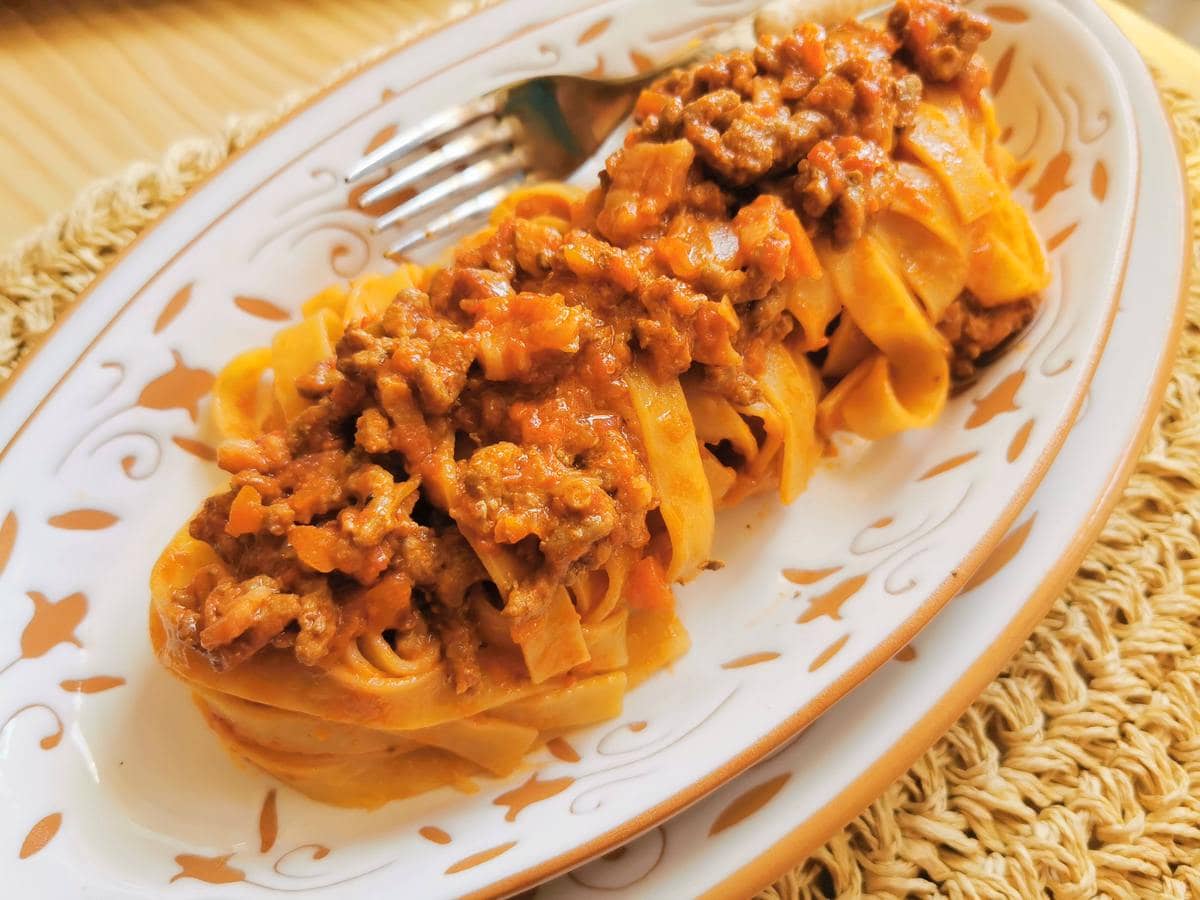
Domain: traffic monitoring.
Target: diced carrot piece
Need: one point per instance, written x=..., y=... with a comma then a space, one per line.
x=315, y=547
x=803, y=256
x=245, y=513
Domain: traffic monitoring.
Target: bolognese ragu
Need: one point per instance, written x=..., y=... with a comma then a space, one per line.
x=459, y=494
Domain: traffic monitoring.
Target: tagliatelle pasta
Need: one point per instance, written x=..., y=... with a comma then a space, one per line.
x=460, y=494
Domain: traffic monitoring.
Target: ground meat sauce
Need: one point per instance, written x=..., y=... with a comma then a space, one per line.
x=976, y=331
x=329, y=529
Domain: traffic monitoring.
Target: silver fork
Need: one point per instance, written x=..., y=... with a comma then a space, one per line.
x=465, y=160
x=461, y=162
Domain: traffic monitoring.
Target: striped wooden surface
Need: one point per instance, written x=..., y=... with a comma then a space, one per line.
x=88, y=86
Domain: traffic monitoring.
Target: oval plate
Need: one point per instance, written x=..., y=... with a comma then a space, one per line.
x=106, y=435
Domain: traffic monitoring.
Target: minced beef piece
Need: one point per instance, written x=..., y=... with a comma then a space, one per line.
x=975, y=330
x=756, y=117
x=939, y=38
x=846, y=182
x=742, y=141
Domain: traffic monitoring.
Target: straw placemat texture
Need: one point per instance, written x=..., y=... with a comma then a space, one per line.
x=1075, y=775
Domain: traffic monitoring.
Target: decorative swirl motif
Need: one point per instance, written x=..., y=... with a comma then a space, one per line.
x=626, y=866
x=217, y=870
x=117, y=367
x=655, y=745
x=540, y=60
x=1054, y=361
x=610, y=744
x=73, y=447
x=341, y=260
x=326, y=180
x=580, y=806
x=1103, y=119
x=1047, y=320
x=324, y=885
x=891, y=577
x=891, y=582
x=830, y=603
x=309, y=217
x=180, y=387
x=136, y=465
x=1055, y=99
x=319, y=852
x=1037, y=133
x=860, y=546
x=346, y=259
x=50, y=741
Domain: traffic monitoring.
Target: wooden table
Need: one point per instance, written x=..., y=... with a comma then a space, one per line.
x=89, y=86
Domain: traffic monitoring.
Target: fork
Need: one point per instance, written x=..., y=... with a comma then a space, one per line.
x=460, y=163
x=543, y=128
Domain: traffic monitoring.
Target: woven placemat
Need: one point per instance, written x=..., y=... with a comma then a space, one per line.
x=1076, y=774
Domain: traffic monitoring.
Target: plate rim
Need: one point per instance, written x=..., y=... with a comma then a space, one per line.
x=792, y=724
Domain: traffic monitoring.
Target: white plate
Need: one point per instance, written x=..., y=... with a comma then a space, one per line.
x=770, y=818
x=101, y=431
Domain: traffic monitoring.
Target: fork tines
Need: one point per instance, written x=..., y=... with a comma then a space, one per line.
x=464, y=148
